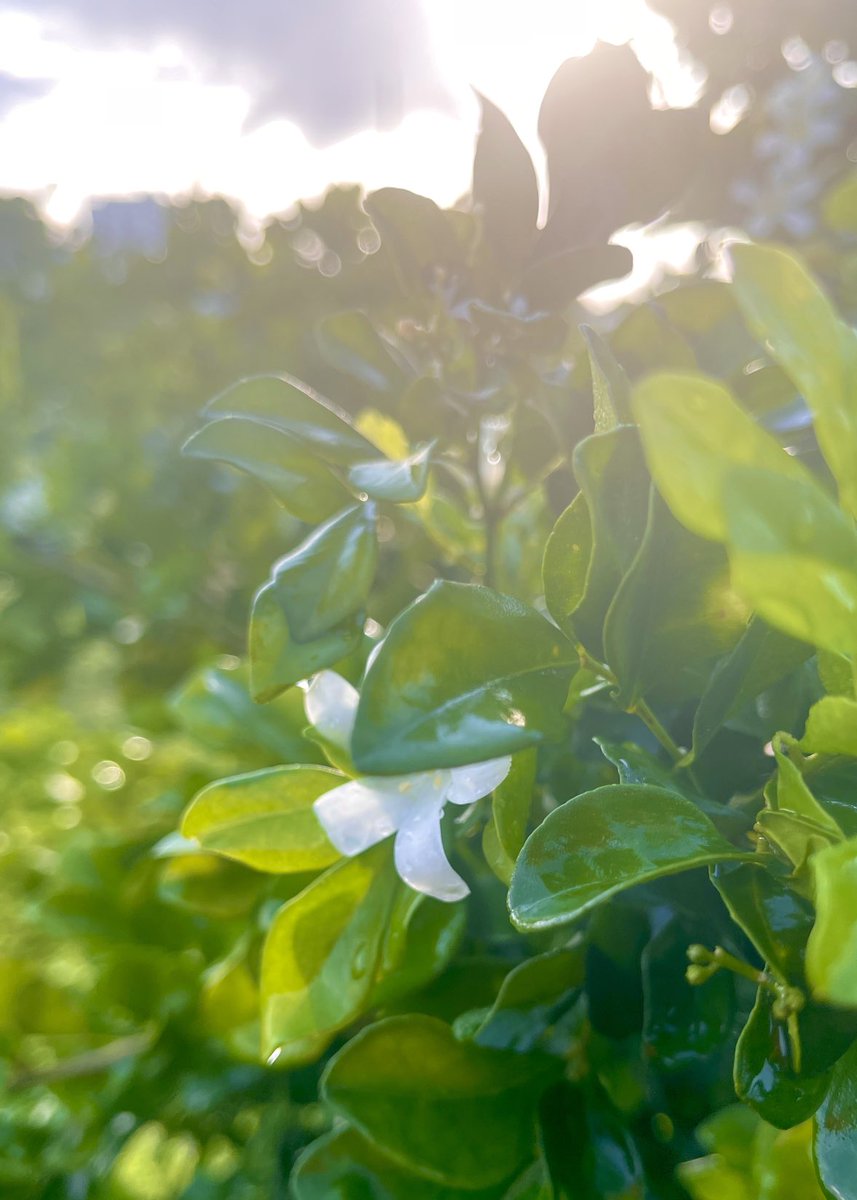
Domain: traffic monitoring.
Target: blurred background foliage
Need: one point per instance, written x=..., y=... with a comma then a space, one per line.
x=128, y=1049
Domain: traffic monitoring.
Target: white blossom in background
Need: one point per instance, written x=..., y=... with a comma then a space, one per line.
x=364, y=811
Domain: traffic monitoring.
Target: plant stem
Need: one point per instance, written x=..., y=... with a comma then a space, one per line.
x=642, y=710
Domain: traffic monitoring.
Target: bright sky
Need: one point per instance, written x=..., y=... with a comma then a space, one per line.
x=121, y=121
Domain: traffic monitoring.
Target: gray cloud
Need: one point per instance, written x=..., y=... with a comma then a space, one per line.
x=332, y=66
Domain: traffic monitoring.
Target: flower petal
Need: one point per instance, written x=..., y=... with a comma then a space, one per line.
x=420, y=857
x=362, y=812
x=473, y=782
x=331, y=707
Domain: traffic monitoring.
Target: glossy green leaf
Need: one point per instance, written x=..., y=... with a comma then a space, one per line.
x=674, y=606
x=836, y=1131
x=694, y=435
x=297, y=409
x=448, y=1110
x=464, y=674
x=831, y=727
x=766, y=1075
x=794, y=557
x=831, y=955
x=605, y=841
x=637, y=766
x=301, y=482
x=345, y=1166
x=400, y=482
x=278, y=660
x=534, y=994
x=758, y=660
x=587, y=1149
x=327, y=578
x=775, y=917
x=787, y=310
x=322, y=954
x=682, y=1023
x=566, y=562
x=265, y=819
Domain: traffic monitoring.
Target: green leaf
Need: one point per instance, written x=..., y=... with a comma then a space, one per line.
x=588, y=1151
x=775, y=917
x=287, y=404
x=603, y=842
x=794, y=557
x=327, y=578
x=793, y=794
x=566, y=562
x=351, y=343
x=674, y=606
x=505, y=189
x=265, y=819
x=836, y=1131
x=506, y=829
x=401, y=482
x=787, y=310
x=766, y=1077
x=533, y=995
x=682, y=1023
x=345, y=1166
x=831, y=727
x=694, y=435
x=448, y=1110
x=760, y=659
x=464, y=674
x=611, y=391
x=420, y=236
x=277, y=660
x=322, y=955
x=216, y=707
x=831, y=953
x=302, y=483
x=613, y=478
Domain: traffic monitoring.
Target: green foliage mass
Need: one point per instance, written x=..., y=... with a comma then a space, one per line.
x=625, y=559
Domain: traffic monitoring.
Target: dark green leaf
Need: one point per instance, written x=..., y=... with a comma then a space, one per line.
x=344, y=1166
x=760, y=659
x=603, y=842
x=836, y=1131
x=448, y=1110
x=674, y=606
x=531, y=999
x=766, y=1076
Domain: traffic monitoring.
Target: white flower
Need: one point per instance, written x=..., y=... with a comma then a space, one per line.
x=366, y=810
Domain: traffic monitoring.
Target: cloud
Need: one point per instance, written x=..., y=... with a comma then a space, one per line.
x=331, y=66
x=15, y=91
